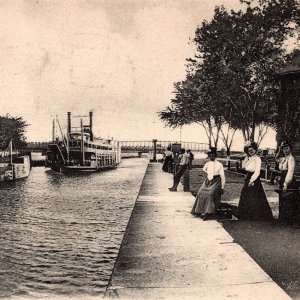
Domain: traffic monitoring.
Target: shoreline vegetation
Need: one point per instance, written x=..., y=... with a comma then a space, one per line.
x=274, y=247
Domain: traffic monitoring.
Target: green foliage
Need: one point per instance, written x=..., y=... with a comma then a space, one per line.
x=12, y=128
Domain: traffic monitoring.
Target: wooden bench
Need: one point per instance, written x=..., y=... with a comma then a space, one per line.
x=297, y=168
x=268, y=165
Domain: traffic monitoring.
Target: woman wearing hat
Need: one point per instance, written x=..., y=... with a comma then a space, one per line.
x=208, y=196
x=168, y=160
x=253, y=203
x=288, y=194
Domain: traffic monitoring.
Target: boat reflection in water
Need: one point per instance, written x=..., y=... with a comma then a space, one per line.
x=79, y=151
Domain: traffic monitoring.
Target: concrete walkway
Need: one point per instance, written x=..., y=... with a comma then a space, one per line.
x=167, y=253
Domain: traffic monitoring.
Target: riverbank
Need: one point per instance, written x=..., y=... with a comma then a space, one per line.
x=274, y=247
x=167, y=253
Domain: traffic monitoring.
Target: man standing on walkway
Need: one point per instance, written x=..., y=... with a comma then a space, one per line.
x=183, y=164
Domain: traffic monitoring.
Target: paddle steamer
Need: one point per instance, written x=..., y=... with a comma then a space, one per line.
x=79, y=151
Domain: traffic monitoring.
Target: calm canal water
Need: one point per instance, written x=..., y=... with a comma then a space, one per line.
x=60, y=235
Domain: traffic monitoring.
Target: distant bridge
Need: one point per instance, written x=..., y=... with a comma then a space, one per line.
x=148, y=146
x=37, y=146
x=131, y=146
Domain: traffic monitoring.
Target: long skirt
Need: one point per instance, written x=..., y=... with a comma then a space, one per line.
x=253, y=203
x=289, y=201
x=167, y=165
x=208, y=197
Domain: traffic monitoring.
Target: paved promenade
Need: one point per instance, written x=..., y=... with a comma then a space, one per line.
x=169, y=254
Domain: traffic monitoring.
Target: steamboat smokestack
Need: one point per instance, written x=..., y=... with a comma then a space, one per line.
x=69, y=122
x=53, y=131
x=91, y=126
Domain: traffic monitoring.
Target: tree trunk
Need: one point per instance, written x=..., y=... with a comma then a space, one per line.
x=252, y=136
x=228, y=151
x=228, y=157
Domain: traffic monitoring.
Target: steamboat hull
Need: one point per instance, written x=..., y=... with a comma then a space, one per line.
x=82, y=169
x=18, y=169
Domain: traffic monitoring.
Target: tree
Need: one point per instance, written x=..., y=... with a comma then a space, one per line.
x=243, y=50
x=230, y=82
x=192, y=104
x=12, y=128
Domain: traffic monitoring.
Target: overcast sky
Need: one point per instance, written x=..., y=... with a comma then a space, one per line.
x=118, y=58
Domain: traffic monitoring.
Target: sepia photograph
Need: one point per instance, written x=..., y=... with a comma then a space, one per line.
x=150, y=149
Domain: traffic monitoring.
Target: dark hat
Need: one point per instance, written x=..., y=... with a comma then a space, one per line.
x=285, y=144
x=212, y=150
x=248, y=145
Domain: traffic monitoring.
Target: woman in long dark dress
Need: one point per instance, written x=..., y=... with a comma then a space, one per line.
x=253, y=203
x=168, y=160
x=288, y=187
x=209, y=194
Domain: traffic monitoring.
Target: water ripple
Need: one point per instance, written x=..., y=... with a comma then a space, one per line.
x=60, y=235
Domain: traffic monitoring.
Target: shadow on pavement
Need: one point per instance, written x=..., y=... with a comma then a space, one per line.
x=276, y=248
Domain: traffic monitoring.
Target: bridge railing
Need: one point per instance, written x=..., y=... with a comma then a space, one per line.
x=160, y=145
x=144, y=146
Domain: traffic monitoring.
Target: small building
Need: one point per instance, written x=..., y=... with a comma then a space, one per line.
x=288, y=122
